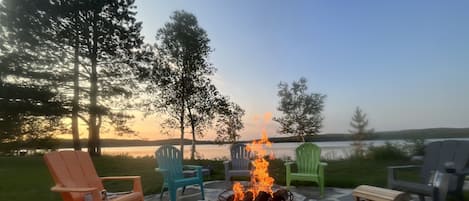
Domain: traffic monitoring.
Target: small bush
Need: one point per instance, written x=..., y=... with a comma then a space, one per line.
x=387, y=152
x=415, y=147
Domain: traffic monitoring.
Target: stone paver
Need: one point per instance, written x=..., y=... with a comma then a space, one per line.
x=301, y=193
x=214, y=188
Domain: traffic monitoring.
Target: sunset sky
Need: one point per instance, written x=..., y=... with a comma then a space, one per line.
x=405, y=63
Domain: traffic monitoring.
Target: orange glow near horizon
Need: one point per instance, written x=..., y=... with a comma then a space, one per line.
x=149, y=129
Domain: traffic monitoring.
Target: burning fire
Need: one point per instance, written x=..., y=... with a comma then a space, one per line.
x=238, y=190
x=260, y=179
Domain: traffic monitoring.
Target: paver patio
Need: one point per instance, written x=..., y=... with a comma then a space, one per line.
x=214, y=188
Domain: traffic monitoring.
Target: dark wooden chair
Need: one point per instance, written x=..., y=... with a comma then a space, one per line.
x=448, y=157
x=240, y=163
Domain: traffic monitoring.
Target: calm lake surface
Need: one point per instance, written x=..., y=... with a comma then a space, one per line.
x=329, y=150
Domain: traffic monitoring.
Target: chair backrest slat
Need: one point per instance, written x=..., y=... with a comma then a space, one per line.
x=307, y=158
x=77, y=178
x=169, y=157
x=72, y=169
x=437, y=154
x=89, y=171
x=240, y=157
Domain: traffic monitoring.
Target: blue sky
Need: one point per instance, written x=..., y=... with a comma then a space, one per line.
x=405, y=63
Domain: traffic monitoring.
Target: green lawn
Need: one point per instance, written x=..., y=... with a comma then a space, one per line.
x=27, y=178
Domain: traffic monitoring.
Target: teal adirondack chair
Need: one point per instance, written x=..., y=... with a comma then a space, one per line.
x=170, y=165
x=308, y=165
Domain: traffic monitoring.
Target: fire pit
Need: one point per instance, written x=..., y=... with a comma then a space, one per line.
x=260, y=186
x=278, y=195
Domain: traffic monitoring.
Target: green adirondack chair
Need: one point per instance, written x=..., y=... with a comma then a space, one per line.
x=170, y=165
x=308, y=165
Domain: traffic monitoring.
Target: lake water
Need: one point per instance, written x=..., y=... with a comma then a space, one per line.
x=329, y=150
x=332, y=150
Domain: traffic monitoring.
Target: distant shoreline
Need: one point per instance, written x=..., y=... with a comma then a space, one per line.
x=429, y=133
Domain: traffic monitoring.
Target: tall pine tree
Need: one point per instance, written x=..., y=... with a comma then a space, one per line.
x=97, y=43
x=109, y=37
x=360, y=133
x=31, y=105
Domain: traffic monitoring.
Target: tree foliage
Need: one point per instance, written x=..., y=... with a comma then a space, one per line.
x=180, y=80
x=180, y=72
x=201, y=110
x=30, y=102
x=182, y=65
x=29, y=117
x=229, y=123
x=100, y=38
x=301, y=111
x=109, y=35
x=359, y=123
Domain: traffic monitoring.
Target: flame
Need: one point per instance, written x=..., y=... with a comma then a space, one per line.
x=260, y=178
x=238, y=190
x=267, y=117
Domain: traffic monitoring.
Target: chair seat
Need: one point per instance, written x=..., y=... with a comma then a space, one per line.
x=240, y=172
x=304, y=176
x=135, y=196
x=193, y=173
x=187, y=181
x=417, y=188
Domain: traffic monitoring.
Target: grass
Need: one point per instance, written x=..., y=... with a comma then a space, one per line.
x=27, y=178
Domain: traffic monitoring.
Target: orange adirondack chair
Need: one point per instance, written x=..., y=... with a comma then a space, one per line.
x=76, y=178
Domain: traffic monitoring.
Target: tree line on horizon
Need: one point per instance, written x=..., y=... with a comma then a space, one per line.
x=86, y=61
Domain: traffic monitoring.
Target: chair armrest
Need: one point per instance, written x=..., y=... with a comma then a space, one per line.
x=120, y=178
x=404, y=166
x=322, y=165
x=226, y=164
x=288, y=163
x=166, y=175
x=193, y=166
x=417, y=158
x=165, y=172
x=94, y=193
x=288, y=167
x=198, y=168
x=392, y=172
x=62, y=189
x=463, y=172
x=137, y=181
x=161, y=170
